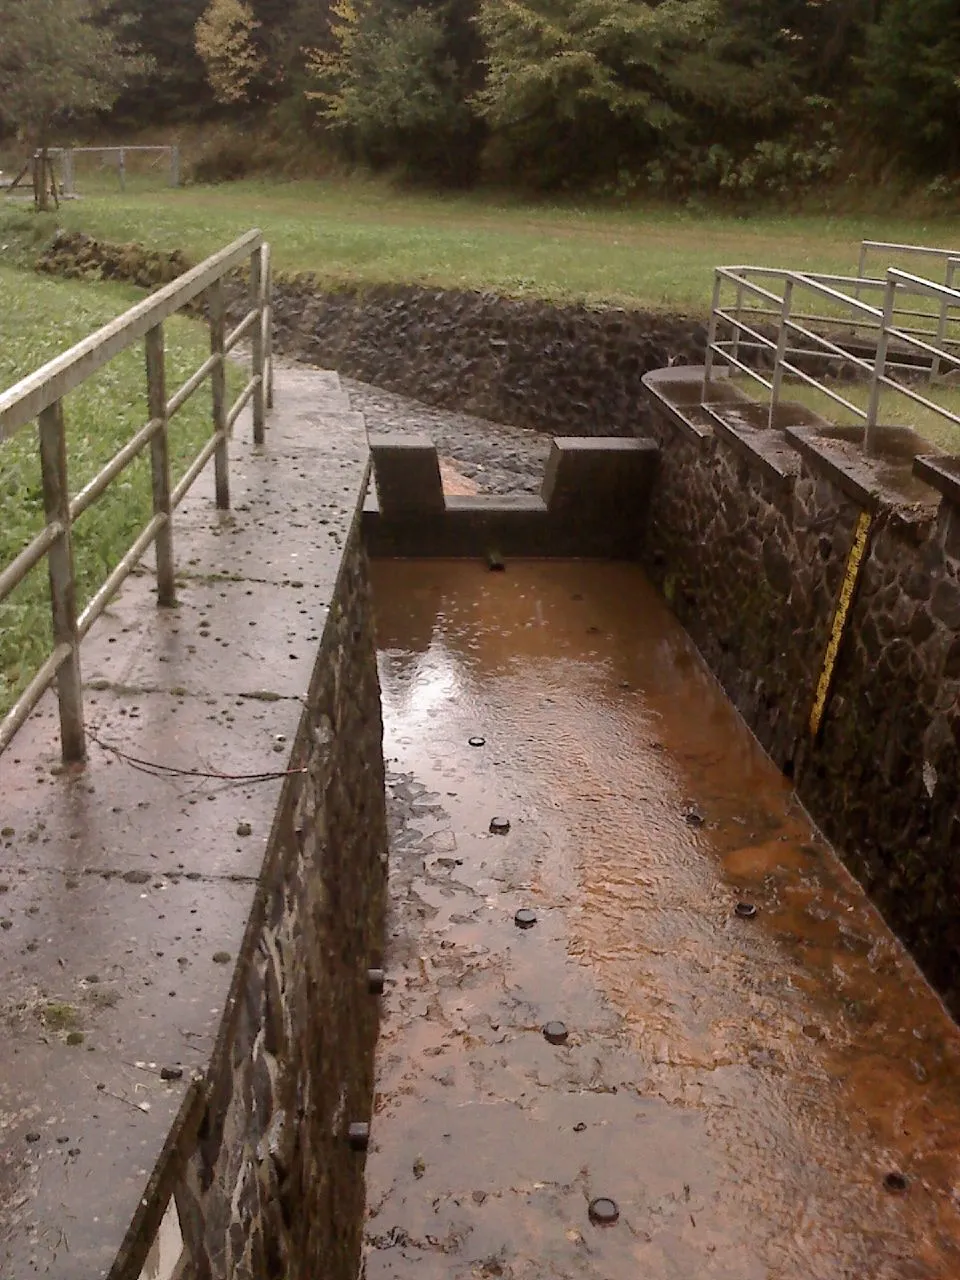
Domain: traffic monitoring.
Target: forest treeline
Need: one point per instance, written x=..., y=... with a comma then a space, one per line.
x=678, y=96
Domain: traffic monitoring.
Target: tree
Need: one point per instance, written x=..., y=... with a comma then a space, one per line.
x=58, y=60
x=391, y=83
x=225, y=43
x=911, y=92
x=573, y=85
x=176, y=87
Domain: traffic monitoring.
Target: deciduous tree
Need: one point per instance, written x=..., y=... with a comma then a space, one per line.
x=225, y=42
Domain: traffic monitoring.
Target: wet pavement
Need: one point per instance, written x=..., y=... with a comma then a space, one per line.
x=769, y=1095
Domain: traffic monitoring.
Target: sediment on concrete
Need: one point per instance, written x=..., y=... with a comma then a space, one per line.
x=188, y=1025
x=751, y=538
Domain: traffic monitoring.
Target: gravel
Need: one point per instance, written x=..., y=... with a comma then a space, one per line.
x=496, y=457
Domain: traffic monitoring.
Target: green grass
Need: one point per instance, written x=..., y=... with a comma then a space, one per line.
x=364, y=232
x=39, y=318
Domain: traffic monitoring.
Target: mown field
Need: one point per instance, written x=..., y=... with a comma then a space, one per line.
x=365, y=232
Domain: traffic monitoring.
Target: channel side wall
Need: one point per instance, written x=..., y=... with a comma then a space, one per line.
x=189, y=1022
x=749, y=538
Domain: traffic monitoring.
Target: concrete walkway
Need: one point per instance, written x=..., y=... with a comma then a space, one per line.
x=124, y=895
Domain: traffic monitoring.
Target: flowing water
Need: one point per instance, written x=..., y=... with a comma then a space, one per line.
x=765, y=1096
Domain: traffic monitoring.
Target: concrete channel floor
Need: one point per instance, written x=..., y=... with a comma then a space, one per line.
x=768, y=1096
x=124, y=896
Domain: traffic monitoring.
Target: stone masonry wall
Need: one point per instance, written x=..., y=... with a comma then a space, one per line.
x=272, y=1190
x=568, y=370
x=753, y=565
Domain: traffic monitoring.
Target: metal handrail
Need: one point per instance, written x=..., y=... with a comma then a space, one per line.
x=741, y=320
x=40, y=395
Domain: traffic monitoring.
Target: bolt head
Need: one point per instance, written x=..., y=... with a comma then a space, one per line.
x=499, y=826
x=603, y=1212
x=525, y=918
x=745, y=910
x=375, y=981
x=555, y=1033
x=358, y=1135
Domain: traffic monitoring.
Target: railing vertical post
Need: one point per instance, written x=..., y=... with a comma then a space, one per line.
x=122, y=169
x=944, y=316
x=160, y=463
x=256, y=302
x=782, y=339
x=735, y=343
x=711, y=334
x=268, y=324
x=879, y=368
x=218, y=386
x=63, y=590
x=175, y=166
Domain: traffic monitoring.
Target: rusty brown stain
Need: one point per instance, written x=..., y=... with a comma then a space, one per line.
x=740, y=1087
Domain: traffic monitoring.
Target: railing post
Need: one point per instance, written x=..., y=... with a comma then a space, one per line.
x=68, y=179
x=782, y=339
x=268, y=324
x=711, y=334
x=944, y=316
x=174, y=166
x=879, y=368
x=160, y=463
x=735, y=342
x=218, y=386
x=63, y=591
x=256, y=302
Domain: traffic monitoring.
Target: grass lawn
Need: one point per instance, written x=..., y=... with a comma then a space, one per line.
x=39, y=318
x=367, y=232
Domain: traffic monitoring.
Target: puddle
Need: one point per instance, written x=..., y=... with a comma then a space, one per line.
x=740, y=1085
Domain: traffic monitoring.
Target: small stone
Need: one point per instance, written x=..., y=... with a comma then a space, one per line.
x=479, y=1197
x=375, y=981
x=358, y=1135
x=499, y=826
x=221, y=957
x=75, y=1037
x=244, y=829
x=555, y=1033
x=896, y=1182
x=525, y=918
x=419, y=1167
x=7, y=832
x=136, y=877
x=603, y=1212
x=33, y=1136
x=693, y=818
x=579, y=1127
x=171, y=1073
x=74, y=1151
x=495, y=562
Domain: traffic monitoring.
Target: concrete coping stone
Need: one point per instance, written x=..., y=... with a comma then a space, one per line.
x=885, y=480
x=942, y=472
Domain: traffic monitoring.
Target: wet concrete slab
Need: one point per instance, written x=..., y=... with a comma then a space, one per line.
x=126, y=884
x=770, y=1095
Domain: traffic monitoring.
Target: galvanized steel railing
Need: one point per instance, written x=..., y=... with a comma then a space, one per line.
x=774, y=301
x=40, y=397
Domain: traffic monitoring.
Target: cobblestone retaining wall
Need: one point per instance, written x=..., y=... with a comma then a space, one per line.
x=568, y=370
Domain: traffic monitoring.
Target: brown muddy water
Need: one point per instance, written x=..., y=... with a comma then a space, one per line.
x=769, y=1097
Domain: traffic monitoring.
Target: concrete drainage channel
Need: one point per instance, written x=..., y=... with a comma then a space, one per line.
x=638, y=1018
x=636, y=1014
